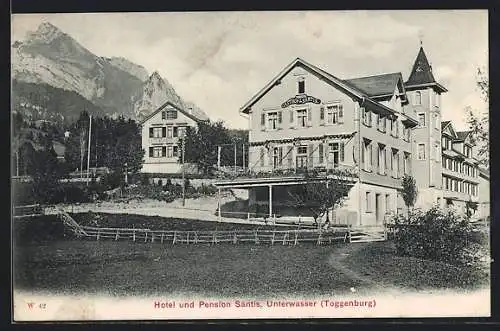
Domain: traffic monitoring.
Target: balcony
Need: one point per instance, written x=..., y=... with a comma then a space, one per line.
x=158, y=140
x=285, y=172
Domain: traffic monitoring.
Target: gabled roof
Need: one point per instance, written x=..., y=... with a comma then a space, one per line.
x=444, y=124
x=169, y=103
x=448, y=125
x=377, y=85
x=462, y=135
x=331, y=79
x=421, y=73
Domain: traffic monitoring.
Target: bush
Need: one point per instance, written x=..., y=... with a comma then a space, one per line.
x=435, y=235
x=112, y=180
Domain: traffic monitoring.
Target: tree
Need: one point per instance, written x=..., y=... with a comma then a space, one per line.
x=319, y=195
x=46, y=175
x=201, y=146
x=479, y=123
x=409, y=191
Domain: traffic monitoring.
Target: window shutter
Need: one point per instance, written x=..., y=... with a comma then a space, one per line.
x=163, y=115
x=263, y=119
x=262, y=152
x=164, y=151
x=309, y=115
x=280, y=117
x=341, y=147
x=290, y=156
x=280, y=155
x=163, y=132
x=311, y=155
x=150, y=151
x=320, y=152
x=270, y=156
x=341, y=114
x=151, y=133
x=291, y=116
x=322, y=114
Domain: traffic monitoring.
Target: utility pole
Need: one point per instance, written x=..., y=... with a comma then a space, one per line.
x=88, y=152
x=218, y=157
x=183, y=172
x=126, y=174
x=243, y=155
x=235, y=146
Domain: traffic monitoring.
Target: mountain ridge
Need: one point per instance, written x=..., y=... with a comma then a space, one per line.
x=114, y=84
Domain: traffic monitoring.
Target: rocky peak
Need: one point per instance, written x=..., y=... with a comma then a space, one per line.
x=45, y=33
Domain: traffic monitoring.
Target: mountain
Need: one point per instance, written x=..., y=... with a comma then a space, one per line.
x=115, y=86
x=156, y=91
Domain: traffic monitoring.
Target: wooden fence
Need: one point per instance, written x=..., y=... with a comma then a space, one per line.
x=273, y=237
x=27, y=211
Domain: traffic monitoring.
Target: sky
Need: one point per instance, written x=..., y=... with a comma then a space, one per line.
x=219, y=60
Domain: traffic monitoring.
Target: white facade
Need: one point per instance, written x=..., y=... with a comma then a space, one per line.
x=161, y=133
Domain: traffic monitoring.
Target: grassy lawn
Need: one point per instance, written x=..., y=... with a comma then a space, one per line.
x=71, y=266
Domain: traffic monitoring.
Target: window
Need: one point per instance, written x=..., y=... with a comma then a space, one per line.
x=381, y=159
x=273, y=120
x=407, y=163
x=321, y=153
x=169, y=151
x=336, y=153
x=467, y=150
x=301, y=157
x=157, y=151
x=366, y=155
x=368, y=202
x=156, y=132
x=421, y=151
x=394, y=127
x=395, y=163
x=436, y=122
x=406, y=133
x=437, y=96
x=169, y=131
x=163, y=115
x=381, y=123
x=176, y=131
x=367, y=117
x=334, y=114
x=302, y=117
x=277, y=157
x=421, y=120
x=444, y=142
x=175, y=151
x=418, y=98
x=387, y=203
x=171, y=114
x=301, y=85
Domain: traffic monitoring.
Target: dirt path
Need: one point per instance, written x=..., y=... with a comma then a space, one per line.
x=337, y=261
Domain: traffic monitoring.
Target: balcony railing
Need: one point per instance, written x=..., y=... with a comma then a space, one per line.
x=317, y=169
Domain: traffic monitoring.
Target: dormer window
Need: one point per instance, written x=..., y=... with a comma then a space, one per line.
x=301, y=86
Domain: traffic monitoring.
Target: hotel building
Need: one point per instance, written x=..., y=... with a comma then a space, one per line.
x=380, y=127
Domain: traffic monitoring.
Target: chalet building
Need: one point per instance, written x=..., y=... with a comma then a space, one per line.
x=379, y=127
x=161, y=132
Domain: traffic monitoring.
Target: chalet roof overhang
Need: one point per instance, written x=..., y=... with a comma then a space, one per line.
x=171, y=104
x=377, y=107
x=410, y=122
x=351, y=91
x=436, y=86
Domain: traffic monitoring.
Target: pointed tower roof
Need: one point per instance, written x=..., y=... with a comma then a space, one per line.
x=421, y=74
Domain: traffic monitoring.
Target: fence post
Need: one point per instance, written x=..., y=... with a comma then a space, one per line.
x=152, y=237
x=284, y=237
x=117, y=231
x=195, y=237
x=162, y=235
x=272, y=239
x=213, y=238
x=187, y=238
x=146, y=237
x=235, y=239
x=175, y=238
x=98, y=232
x=256, y=238
x=296, y=237
x=319, y=239
x=133, y=235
